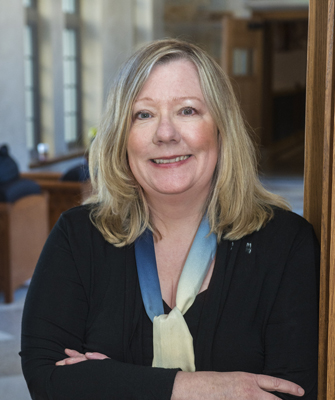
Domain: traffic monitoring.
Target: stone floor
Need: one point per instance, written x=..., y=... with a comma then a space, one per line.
x=12, y=384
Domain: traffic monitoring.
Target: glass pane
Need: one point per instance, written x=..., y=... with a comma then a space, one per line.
x=30, y=128
x=70, y=128
x=29, y=104
x=73, y=100
x=70, y=75
x=70, y=100
x=72, y=42
x=28, y=73
x=29, y=3
x=74, y=127
x=69, y=6
x=69, y=43
x=70, y=65
x=242, y=62
x=65, y=43
x=28, y=40
x=72, y=72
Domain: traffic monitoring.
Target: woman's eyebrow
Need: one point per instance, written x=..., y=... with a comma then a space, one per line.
x=175, y=99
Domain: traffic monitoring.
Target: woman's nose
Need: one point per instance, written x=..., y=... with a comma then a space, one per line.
x=166, y=131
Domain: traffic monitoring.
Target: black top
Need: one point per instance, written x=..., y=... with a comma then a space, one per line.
x=259, y=313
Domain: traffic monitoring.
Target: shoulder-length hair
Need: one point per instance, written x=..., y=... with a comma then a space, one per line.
x=237, y=203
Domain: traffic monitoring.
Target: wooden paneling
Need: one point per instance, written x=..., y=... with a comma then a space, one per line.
x=315, y=112
x=24, y=230
x=319, y=202
x=284, y=15
x=245, y=35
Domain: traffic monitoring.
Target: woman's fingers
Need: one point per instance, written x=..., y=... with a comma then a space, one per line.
x=272, y=384
x=72, y=353
x=76, y=357
x=95, y=356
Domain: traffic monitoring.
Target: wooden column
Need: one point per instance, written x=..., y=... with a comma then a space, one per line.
x=319, y=201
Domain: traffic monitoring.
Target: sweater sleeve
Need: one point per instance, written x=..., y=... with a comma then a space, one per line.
x=54, y=318
x=291, y=338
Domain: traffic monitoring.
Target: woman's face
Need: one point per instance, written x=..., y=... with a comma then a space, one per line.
x=173, y=142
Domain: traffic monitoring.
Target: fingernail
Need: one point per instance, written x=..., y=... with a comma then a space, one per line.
x=301, y=391
x=89, y=354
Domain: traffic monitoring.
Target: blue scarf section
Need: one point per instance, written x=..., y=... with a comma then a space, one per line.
x=172, y=340
x=200, y=258
x=148, y=274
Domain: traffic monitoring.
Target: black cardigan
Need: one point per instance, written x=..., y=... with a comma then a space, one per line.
x=259, y=314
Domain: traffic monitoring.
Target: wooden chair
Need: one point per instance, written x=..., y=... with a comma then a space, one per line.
x=24, y=228
x=62, y=194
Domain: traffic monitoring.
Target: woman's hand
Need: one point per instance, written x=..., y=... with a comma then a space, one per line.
x=230, y=386
x=76, y=357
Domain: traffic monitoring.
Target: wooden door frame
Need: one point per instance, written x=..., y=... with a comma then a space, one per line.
x=319, y=191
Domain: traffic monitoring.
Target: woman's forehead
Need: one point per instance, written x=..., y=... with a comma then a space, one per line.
x=179, y=77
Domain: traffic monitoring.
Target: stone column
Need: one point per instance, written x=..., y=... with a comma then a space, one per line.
x=12, y=94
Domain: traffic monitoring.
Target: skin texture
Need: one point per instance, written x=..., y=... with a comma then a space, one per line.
x=170, y=120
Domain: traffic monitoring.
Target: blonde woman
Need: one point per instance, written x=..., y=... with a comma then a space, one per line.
x=182, y=277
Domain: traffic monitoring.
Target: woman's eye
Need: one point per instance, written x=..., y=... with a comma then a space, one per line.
x=188, y=111
x=142, y=115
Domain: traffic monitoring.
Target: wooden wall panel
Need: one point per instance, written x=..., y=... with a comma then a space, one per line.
x=315, y=110
x=319, y=202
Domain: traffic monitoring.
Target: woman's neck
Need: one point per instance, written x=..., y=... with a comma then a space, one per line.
x=171, y=213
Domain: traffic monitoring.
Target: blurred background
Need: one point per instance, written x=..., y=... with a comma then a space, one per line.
x=58, y=59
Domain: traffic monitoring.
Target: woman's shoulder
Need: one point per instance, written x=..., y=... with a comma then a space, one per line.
x=287, y=227
x=288, y=221
x=76, y=220
x=82, y=211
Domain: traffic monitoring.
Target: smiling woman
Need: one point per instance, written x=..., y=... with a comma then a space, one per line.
x=173, y=142
x=182, y=277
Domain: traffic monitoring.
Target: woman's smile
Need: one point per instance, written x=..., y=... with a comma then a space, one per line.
x=171, y=161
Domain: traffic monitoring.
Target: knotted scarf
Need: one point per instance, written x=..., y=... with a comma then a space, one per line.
x=172, y=340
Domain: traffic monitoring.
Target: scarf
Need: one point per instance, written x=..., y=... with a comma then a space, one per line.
x=172, y=340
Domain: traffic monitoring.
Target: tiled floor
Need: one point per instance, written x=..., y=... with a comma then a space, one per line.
x=12, y=384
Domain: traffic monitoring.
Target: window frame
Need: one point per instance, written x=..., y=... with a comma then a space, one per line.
x=31, y=21
x=73, y=22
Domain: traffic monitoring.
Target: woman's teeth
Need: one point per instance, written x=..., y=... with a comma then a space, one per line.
x=170, y=160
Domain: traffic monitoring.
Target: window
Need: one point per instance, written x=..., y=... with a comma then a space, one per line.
x=70, y=63
x=243, y=62
x=31, y=78
x=71, y=71
x=29, y=3
x=69, y=6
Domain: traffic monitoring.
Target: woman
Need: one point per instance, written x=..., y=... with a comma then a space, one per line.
x=182, y=277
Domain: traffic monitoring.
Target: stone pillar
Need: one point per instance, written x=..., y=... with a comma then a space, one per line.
x=117, y=38
x=148, y=21
x=12, y=94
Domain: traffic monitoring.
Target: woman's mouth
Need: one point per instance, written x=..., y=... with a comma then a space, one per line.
x=170, y=160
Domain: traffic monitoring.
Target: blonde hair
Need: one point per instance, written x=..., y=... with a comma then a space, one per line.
x=237, y=204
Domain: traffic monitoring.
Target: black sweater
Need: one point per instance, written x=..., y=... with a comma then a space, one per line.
x=258, y=315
